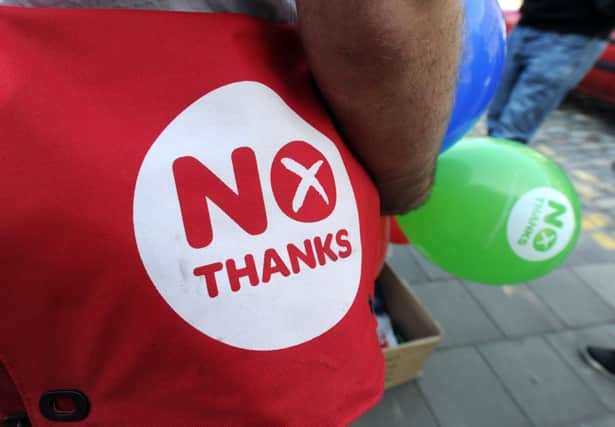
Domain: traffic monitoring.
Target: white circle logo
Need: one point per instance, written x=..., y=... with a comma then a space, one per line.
x=541, y=224
x=246, y=221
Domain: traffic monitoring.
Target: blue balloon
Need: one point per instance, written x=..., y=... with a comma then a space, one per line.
x=482, y=63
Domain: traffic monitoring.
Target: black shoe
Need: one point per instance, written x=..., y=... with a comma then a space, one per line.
x=601, y=359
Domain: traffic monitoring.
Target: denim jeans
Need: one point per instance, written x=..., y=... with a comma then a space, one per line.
x=541, y=67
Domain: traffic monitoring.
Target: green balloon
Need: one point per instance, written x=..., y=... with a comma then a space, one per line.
x=500, y=213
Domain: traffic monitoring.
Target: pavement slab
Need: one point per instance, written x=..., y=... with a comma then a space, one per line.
x=402, y=261
x=541, y=382
x=516, y=310
x=570, y=344
x=601, y=277
x=463, y=391
x=463, y=321
x=604, y=421
x=432, y=271
x=572, y=300
x=402, y=406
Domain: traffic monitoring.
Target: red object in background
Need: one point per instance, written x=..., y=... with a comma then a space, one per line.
x=397, y=235
x=383, y=242
x=511, y=17
x=599, y=83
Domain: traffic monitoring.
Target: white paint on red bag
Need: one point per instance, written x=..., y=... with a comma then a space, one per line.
x=246, y=221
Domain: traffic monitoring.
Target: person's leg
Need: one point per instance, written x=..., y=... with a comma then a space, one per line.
x=602, y=359
x=555, y=64
x=510, y=74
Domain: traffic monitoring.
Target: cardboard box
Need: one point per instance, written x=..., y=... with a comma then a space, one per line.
x=405, y=362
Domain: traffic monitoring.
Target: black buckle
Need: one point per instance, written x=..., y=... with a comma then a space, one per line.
x=48, y=408
x=21, y=420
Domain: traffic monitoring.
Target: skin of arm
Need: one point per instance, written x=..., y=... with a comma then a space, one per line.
x=388, y=70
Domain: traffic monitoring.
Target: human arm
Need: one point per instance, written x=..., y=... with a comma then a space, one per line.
x=388, y=70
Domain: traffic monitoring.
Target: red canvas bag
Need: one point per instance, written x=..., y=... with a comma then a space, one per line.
x=186, y=241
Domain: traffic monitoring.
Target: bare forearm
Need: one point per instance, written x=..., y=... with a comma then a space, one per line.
x=388, y=70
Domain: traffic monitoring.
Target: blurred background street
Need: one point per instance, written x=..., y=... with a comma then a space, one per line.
x=510, y=355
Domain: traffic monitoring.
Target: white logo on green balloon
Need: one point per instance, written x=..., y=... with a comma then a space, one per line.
x=541, y=224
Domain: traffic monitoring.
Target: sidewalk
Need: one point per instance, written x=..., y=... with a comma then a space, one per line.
x=509, y=355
